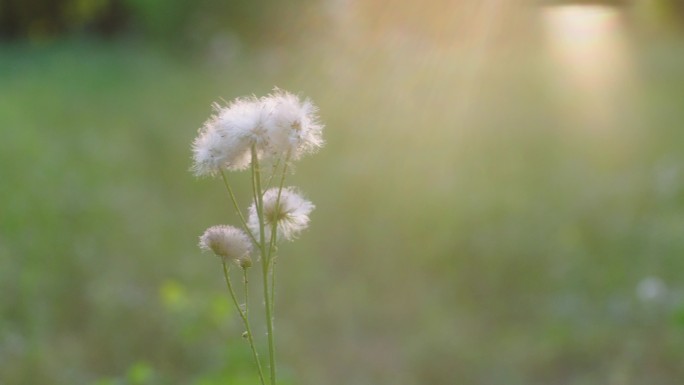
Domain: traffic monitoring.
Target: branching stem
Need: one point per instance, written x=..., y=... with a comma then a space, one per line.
x=265, y=260
x=237, y=207
x=243, y=315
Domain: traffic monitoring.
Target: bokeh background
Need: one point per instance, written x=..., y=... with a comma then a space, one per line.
x=500, y=200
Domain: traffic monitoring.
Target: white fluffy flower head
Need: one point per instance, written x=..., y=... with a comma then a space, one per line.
x=279, y=125
x=228, y=243
x=292, y=125
x=291, y=214
x=226, y=138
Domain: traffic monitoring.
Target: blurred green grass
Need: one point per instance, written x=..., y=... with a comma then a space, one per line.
x=496, y=243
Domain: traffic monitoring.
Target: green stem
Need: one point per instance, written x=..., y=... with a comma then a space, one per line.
x=237, y=207
x=274, y=225
x=273, y=264
x=265, y=260
x=274, y=232
x=243, y=315
x=275, y=170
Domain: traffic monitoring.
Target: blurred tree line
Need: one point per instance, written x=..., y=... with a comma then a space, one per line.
x=268, y=21
x=180, y=21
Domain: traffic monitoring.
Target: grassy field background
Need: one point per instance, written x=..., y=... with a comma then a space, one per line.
x=468, y=230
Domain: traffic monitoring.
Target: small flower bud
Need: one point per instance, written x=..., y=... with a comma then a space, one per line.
x=245, y=263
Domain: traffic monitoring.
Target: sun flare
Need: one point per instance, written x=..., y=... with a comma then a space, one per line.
x=587, y=43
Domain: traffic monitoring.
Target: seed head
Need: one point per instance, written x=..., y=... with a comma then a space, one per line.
x=228, y=243
x=290, y=214
x=292, y=125
x=278, y=125
x=226, y=138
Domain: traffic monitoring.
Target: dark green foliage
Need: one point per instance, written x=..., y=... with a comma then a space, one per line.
x=46, y=19
x=173, y=22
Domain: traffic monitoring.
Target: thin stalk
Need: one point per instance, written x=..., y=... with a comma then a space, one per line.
x=237, y=207
x=246, y=291
x=275, y=170
x=265, y=260
x=274, y=232
x=274, y=225
x=273, y=264
x=258, y=194
x=243, y=315
x=258, y=198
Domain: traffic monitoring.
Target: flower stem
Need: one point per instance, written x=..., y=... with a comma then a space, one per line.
x=237, y=207
x=265, y=260
x=273, y=264
x=274, y=225
x=273, y=173
x=274, y=231
x=243, y=315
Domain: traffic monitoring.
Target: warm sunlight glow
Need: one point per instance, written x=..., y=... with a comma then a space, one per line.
x=587, y=42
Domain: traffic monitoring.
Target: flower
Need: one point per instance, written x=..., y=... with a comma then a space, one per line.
x=291, y=214
x=292, y=125
x=226, y=138
x=278, y=125
x=228, y=243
